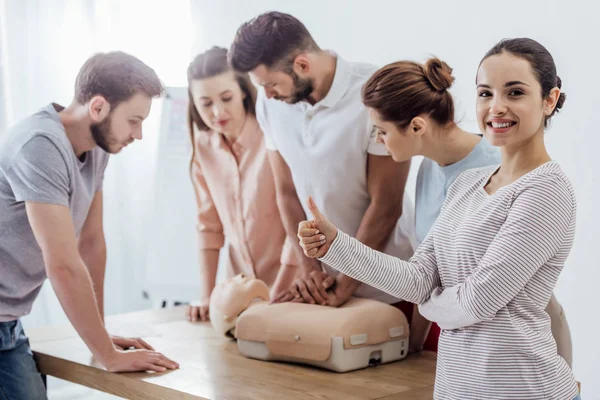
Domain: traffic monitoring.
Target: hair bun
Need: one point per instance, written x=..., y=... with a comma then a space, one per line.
x=562, y=97
x=439, y=74
x=561, y=101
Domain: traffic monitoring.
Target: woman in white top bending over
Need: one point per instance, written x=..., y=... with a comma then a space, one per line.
x=487, y=269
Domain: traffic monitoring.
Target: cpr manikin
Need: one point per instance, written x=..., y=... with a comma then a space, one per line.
x=359, y=333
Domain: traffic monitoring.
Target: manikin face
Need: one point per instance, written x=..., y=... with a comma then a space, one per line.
x=230, y=298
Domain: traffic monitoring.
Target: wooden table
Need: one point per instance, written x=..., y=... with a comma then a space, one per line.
x=212, y=368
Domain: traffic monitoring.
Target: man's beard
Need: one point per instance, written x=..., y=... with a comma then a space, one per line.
x=102, y=135
x=302, y=89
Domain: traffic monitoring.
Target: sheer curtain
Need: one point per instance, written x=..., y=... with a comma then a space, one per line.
x=42, y=46
x=3, y=71
x=43, y=43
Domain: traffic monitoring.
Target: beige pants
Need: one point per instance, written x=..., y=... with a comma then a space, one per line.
x=558, y=323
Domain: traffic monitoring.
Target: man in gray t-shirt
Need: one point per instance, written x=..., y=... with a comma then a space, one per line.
x=37, y=164
x=51, y=170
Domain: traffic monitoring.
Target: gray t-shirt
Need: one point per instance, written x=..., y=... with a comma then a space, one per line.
x=38, y=164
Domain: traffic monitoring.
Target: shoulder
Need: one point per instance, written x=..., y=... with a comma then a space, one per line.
x=425, y=170
x=547, y=183
x=43, y=148
x=361, y=71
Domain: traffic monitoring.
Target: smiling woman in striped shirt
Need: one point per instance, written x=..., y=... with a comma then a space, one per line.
x=413, y=111
x=486, y=270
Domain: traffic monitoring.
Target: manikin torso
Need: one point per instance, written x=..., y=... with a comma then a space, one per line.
x=355, y=335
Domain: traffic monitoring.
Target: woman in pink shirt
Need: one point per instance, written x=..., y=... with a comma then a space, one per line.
x=232, y=178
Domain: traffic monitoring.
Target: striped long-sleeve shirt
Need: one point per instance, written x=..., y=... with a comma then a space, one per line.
x=485, y=274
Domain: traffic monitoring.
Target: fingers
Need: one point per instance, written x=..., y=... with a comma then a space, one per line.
x=198, y=313
x=288, y=297
x=313, y=250
x=306, y=296
x=193, y=313
x=279, y=298
x=153, y=367
x=306, y=225
x=162, y=360
x=333, y=301
x=318, y=278
x=310, y=290
x=129, y=343
x=311, y=240
x=136, y=343
x=312, y=246
x=317, y=216
x=143, y=360
x=157, y=361
x=145, y=345
x=295, y=292
x=314, y=292
x=283, y=297
x=307, y=232
x=204, y=314
x=123, y=343
x=328, y=282
x=164, y=364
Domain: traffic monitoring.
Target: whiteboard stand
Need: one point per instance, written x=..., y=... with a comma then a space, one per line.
x=172, y=271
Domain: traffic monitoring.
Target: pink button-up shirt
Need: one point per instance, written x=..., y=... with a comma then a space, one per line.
x=235, y=193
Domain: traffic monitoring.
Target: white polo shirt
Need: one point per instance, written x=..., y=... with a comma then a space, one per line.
x=326, y=148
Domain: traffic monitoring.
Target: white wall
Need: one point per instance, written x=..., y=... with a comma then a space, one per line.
x=460, y=33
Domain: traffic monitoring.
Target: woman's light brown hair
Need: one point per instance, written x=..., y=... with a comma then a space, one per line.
x=403, y=90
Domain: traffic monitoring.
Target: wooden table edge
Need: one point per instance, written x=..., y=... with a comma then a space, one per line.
x=117, y=384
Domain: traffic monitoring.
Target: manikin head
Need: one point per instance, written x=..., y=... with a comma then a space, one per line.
x=230, y=298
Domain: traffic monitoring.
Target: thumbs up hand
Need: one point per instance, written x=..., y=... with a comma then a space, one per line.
x=316, y=235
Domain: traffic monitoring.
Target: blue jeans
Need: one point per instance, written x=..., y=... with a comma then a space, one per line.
x=19, y=376
x=578, y=397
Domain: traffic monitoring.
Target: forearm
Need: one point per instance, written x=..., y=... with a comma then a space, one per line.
x=374, y=231
x=209, y=265
x=419, y=329
x=292, y=214
x=73, y=287
x=285, y=277
x=94, y=258
x=411, y=281
x=378, y=224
